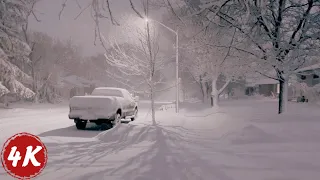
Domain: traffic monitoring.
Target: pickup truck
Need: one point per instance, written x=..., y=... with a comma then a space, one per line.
x=105, y=105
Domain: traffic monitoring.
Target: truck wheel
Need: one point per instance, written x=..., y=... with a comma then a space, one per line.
x=106, y=126
x=81, y=124
x=117, y=119
x=135, y=115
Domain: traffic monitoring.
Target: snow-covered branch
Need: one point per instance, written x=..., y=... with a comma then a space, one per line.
x=14, y=51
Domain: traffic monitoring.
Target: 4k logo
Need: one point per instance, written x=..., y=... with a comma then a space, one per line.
x=24, y=156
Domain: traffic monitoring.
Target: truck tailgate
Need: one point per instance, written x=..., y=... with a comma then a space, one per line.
x=92, y=107
x=92, y=102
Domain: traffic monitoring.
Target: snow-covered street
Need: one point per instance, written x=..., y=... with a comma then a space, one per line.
x=241, y=140
x=47, y=119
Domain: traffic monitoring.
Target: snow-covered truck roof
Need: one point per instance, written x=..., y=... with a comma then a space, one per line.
x=123, y=91
x=110, y=88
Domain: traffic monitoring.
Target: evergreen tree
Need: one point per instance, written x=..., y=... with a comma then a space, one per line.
x=13, y=49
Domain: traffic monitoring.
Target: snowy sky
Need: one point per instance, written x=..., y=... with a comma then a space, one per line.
x=81, y=31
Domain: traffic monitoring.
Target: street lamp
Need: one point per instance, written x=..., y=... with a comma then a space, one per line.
x=177, y=59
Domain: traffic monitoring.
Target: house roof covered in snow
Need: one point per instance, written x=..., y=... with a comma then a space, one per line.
x=76, y=81
x=260, y=81
x=308, y=68
x=98, y=83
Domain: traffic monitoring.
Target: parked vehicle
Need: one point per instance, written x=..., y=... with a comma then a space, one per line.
x=106, y=105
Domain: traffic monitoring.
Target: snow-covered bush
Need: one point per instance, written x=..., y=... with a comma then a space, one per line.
x=313, y=93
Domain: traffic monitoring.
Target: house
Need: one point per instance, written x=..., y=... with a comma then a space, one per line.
x=262, y=86
x=301, y=84
x=75, y=85
x=307, y=83
x=309, y=75
x=98, y=83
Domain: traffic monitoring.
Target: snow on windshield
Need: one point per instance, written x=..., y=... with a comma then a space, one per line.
x=107, y=92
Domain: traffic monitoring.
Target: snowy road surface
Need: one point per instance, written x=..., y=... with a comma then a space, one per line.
x=243, y=140
x=47, y=119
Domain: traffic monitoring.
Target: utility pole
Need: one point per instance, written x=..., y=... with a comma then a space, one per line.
x=177, y=72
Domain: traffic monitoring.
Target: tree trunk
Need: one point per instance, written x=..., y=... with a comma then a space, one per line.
x=203, y=91
x=34, y=85
x=204, y=96
x=152, y=71
x=215, y=99
x=152, y=105
x=5, y=101
x=207, y=91
x=283, y=95
x=214, y=93
x=36, y=97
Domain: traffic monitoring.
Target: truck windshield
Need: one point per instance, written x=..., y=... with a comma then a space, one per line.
x=107, y=92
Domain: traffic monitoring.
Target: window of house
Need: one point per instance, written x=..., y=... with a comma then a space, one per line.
x=315, y=76
x=303, y=77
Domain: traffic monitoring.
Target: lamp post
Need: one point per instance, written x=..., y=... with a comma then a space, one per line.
x=177, y=60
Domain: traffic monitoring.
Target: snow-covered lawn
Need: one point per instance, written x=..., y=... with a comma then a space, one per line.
x=243, y=140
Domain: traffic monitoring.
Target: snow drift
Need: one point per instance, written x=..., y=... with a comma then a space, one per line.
x=246, y=141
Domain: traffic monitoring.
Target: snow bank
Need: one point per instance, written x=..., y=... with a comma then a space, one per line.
x=156, y=102
x=167, y=107
x=128, y=133
x=29, y=109
x=193, y=100
x=204, y=112
x=241, y=140
x=251, y=134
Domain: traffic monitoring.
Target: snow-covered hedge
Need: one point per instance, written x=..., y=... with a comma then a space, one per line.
x=167, y=107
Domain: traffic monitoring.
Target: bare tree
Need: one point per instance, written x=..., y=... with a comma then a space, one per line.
x=30, y=41
x=140, y=57
x=55, y=58
x=213, y=60
x=102, y=10
x=281, y=34
x=198, y=71
x=221, y=64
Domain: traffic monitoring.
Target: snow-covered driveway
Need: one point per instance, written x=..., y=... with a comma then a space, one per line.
x=241, y=141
